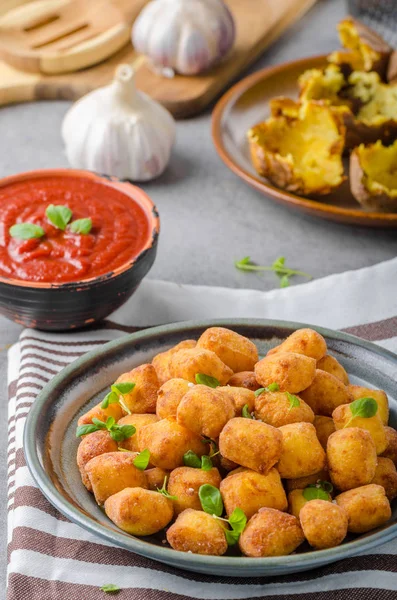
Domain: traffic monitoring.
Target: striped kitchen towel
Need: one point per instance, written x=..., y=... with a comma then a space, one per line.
x=53, y=559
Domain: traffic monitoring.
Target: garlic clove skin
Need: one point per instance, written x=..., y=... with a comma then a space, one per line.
x=187, y=36
x=120, y=131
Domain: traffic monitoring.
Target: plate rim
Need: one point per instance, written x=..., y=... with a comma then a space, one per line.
x=314, y=207
x=192, y=562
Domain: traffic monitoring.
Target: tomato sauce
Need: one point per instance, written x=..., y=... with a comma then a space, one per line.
x=119, y=231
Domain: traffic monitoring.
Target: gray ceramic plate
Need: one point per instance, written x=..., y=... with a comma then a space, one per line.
x=50, y=443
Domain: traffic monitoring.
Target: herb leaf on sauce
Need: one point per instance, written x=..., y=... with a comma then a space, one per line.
x=82, y=226
x=26, y=231
x=58, y=215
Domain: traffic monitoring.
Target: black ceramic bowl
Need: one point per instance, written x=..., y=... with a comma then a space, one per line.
x=65, y=306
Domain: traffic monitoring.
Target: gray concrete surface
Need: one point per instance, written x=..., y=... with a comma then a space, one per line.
x=209, y=217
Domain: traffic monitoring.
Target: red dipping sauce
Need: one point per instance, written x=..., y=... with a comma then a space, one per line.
x=120, y=229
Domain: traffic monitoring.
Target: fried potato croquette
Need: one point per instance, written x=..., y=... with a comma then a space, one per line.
x=155, y=478
x=325, y=426
x=299, y=483
x=188, y=363
x=169, y=396
x=226, y=464
x=251, y=444
x=139, y=511
x=197, y=532
x=386, y=476
x=235, y=350
x=161, y=362
x=367, y=507
x=251, y=491
x=167, y=442
x=391, y=448
x=112, y=472
x=291, y=371
x=205, y=411
x=240, y=397
x=271, y=532
x=380, y=397
x=324, y=524
x=342, y=417
x=329, y=364
x=245, y=379
x=301, y=453
x=185, y=482
x=143, y=397
x=303, y=341
x=113, y=410
x=351, y=457
x=275, y=408
x=90, y=446
x=138, y=421
x=326, y=393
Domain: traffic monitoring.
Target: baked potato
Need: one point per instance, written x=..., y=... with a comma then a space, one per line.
x=386, y=476
x=197, y=532
x=244, y=379
x=391, y=448
x=366, y=49
x=234, y=350
x=282, y=408
x=325, y=393
x=351, y=458
x=205, y=411
x=303, y=341
x=373, y=175
x=184, y=483
x=299, y=148
x=139, y=511
x=162, y=361
x=329, y=364
x=291, y=371
x=112, y=472
x=324, y=523
x=93, y=444
x=302, y=453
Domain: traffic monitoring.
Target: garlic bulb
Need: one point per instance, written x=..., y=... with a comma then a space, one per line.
x=117, y=130
x=184, y=36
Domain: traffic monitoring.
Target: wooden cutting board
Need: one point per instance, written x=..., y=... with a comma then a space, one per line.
x=259, y=23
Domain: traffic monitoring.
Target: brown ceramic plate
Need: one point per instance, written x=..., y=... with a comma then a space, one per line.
x=246, y=104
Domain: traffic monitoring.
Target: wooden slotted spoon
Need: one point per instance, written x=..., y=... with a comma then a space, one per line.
x=59, y=36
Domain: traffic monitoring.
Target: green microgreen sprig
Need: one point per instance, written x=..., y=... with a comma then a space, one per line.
x=321, y=490
x=117, y=393
x=211, y=503
x=118, y=433
x=364, y=408
x=163, y=490
x=207, y=380
x=293, y=400
x=283, y=272
x=273, y=387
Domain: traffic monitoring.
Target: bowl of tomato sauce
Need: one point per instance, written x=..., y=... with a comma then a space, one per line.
x=74, y=246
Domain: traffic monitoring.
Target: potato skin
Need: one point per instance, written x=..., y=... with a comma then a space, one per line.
x=184, y=483
x=197, y=532
x=161, y=362
x=293, y=372
x=251, y=491
x=113, y=410
x=187, y=363
x=235, y=350
x=386, y=476
x=391, y=449
x=138, y=421
x=155, y=478
x=167, y=442
x=169, y=396
x=302, y=453
x=93, y=444
x=112, y=472
x=357, y=391
x=271, y=532
x=143, y=398
x=373, y=425
x=205, y=411
x=326, y=393
x=303, y=341
x=329, y=364
x=367, y=507
x=252, y=444
x=324, y=524
x=240, y=397
x=299, y=483
x=275, y=409
x=245, y=379
x=324, y=428
x=371, y=200
x=351, y=457
x=138, y=511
